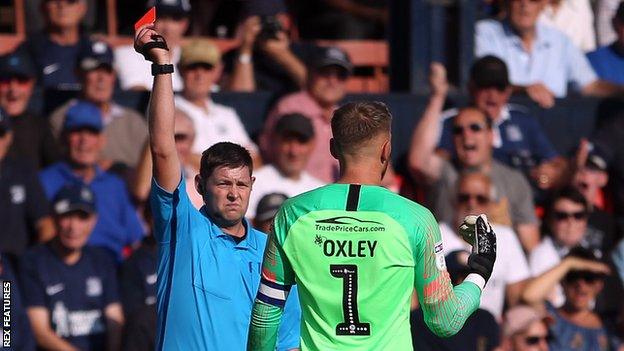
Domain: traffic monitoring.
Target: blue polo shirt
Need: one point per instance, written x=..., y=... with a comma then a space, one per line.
x=76, y=295
x=118, y=224
x=206, y=281
x=553, y=61
x=519, y=141
x=608, y=63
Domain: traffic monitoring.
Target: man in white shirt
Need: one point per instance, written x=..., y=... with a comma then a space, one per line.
x=474, y=192
x=172, y=20
x=200, y=67
x=294, y=143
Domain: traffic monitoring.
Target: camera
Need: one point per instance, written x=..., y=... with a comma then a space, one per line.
x=270, y=27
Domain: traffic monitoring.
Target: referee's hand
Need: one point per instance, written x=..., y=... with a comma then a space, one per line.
x=477, y=231
x=146, y=34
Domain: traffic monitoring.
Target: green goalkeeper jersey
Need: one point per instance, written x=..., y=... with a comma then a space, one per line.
x=356, y=254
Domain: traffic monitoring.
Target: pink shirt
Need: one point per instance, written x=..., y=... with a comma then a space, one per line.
x=322, y=164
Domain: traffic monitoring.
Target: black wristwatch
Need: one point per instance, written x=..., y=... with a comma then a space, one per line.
x=161, y=69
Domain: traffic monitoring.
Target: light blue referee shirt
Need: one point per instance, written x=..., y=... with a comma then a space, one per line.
x=206, y=281
x=553, y=60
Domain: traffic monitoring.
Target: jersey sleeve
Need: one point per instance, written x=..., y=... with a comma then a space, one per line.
x=167, y=209
x=445, y=308
x=275, y=283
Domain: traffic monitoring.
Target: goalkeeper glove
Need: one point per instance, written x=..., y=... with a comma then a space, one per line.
x=476, y=231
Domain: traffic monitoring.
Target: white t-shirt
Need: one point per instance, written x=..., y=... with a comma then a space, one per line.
x=219, y=123
x=269, y=180
x=510, y=267
x=575, y=19
x=133, y=70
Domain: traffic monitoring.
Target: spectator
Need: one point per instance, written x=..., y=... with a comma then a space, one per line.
x=55, y=50
x=526, y=329
x=479, y=333
x=542, y=60
x=21, y=337
x=118, y=225
x=608, y=60
x=472, y=140
x=326, y=86
x=342, y=19
x=510, y=274
x=519, y=140
x=589, y=178
x=70, y=288
x=576, y=326
x=293, y=145
x=172, y=22
x=23, y=204
x=125, y=129
x=32, y=139
x=266, y=58
x=266, y=210
x=200, y=67
x=574, y=18
x=184, y=134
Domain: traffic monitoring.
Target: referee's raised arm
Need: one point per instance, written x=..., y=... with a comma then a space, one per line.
x=166, y=165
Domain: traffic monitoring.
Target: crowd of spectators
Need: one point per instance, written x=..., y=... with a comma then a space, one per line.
x=76, y=235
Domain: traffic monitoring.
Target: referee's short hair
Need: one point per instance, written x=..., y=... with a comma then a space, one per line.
x=357, y=122
x=224, y=154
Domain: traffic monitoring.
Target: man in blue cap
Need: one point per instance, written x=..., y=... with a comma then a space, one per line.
x=23, y=204
x=70, y=288
x=118, y=225
x=124, y=129
x=32, y=139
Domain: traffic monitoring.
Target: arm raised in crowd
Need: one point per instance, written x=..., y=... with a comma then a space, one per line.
x=166, y=169
x=423, y=161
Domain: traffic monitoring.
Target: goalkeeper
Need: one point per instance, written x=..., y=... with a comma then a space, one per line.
x=357, y=250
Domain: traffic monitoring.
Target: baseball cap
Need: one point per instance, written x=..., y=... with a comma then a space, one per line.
x=268, y=206
x=199, y=51
x=5, y=122
x=74, y=197
x=17, y=63
x=171, y=7
x=83, y=115
x=520, y=317
x=95, y=55
x=331, y=56
x=297, y=124
x=489, y=71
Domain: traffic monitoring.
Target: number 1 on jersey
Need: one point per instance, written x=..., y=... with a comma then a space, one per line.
x=351, y=324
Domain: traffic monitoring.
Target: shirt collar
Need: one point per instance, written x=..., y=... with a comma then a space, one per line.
x=542, y=39
x=249, y=242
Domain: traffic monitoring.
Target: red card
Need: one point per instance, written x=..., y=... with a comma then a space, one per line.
x=148, y=17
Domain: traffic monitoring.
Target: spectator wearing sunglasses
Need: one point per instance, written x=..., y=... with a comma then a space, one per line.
x=512, y=203
x=32, y=139
x=200, y=67
x=576, y=326
x=525, y=328
x=473, y=196
x=172, y=21
x=328, y=71
x=519, y=141
x=124, y=129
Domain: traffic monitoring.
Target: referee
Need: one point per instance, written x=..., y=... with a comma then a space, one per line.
x=208, y=260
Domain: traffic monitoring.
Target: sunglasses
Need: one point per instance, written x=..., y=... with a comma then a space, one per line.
x=474, y=127
x=464, y=198
x=15, y=78
x=181, y=137
x=534, y=340
x=589, y=277
x=198, y=65
x=339, y=73
x=561, y=216
x=66, y=1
